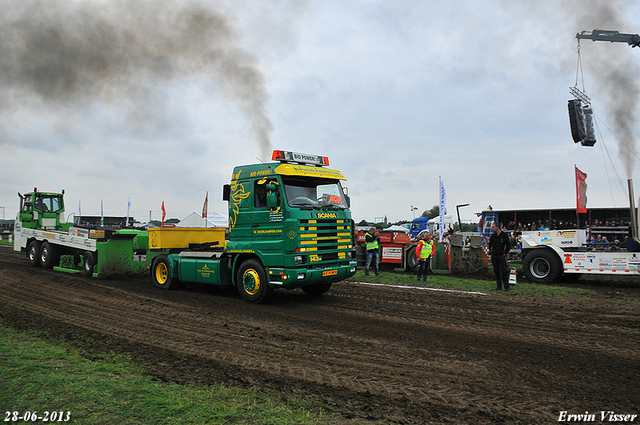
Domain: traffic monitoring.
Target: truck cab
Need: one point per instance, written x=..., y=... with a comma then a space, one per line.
x=42, y=210
x=418, y=225
x=289, y=226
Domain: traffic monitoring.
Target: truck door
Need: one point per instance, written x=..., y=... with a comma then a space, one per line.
x=267, y=222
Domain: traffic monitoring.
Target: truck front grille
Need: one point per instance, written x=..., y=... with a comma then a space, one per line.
x=325, y=235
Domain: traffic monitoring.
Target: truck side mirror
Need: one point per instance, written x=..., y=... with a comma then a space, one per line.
x=272, y=196
x=345, y=191
x=226, y=192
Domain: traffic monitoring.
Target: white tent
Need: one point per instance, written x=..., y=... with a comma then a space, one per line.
x=397, y=229
x=213, y=219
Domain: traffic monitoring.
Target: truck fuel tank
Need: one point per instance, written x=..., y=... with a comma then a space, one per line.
x=204, y=267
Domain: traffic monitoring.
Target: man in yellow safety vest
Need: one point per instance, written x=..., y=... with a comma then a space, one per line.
x=424, y=251
x=372, y=238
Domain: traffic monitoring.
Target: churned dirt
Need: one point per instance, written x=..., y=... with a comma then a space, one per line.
x=377, y=354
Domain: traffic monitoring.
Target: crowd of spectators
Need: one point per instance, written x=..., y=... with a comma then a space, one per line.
x=607, y=234
x=563, y=225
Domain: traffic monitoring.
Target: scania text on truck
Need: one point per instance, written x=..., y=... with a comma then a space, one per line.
x=289, y=227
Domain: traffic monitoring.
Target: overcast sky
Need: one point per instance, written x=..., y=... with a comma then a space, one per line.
x=158, y=100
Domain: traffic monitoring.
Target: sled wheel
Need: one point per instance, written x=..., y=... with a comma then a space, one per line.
x=33, y=253
x=48, y=255
x=411, y=263
x=88, y=263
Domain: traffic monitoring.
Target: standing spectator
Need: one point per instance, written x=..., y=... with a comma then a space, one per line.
x=499, y=247
x=424, y=251
x=372, y=240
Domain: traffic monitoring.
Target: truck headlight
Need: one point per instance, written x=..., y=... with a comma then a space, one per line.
x=298, y=259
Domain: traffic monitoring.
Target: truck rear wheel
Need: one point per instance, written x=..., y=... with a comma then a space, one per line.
x=161, y=273
x=541, y=266
x=251, y=281
x=33, y=253
x=49, y=255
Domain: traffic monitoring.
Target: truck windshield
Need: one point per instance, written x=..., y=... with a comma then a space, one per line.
x=48, y=203
x=314, y=193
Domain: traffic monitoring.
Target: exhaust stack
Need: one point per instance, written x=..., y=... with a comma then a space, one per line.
x=634, y=217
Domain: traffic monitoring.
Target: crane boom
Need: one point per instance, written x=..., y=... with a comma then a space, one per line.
x=613, y=36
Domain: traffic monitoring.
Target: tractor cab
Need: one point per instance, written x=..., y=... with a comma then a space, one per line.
x=41, y=210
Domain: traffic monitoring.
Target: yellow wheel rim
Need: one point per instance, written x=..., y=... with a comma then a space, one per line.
x=251, y=282
x=161, y=273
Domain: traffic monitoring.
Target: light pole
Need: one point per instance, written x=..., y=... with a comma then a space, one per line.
x=458, y=211
x=413, y=209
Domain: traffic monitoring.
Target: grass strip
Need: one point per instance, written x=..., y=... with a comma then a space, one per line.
x=43, y=376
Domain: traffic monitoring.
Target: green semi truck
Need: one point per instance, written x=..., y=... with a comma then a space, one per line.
x=289, y=227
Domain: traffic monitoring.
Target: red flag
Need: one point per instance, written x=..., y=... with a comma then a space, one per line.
x=164, y=214
x=581, y=191
x=204, y=207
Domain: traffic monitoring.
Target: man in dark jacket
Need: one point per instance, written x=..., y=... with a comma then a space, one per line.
x=499, y=246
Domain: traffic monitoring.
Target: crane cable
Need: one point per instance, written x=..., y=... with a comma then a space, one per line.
x=597, y=119
x=579, y=70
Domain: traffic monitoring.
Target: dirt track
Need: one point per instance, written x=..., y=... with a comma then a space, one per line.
x=378, y=354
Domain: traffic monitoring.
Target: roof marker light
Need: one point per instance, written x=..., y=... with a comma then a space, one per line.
x=300, y=158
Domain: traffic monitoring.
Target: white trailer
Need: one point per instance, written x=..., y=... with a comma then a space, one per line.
x=552, y=255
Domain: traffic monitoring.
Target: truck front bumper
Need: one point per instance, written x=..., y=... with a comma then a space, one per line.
x=303, y=276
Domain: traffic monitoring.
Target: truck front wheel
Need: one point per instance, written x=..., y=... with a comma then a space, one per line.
x=33, y=253
x=542, y=266
x=251, y=281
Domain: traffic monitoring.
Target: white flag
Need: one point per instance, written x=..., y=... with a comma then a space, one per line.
x=128, y=207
